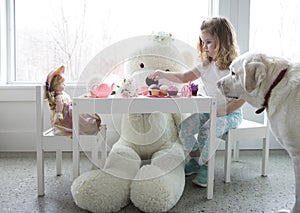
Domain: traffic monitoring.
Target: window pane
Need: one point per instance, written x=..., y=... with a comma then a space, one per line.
x=72, y=32
x=276, y=31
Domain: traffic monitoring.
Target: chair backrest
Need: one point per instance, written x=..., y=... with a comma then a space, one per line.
x=249, y=113
x=42, y=110
x=40, y=99
x=44, y=131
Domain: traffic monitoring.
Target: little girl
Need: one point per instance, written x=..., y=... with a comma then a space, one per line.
x=217, y=48
x=60, y=105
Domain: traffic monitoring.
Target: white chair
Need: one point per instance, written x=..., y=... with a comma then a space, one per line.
x=248, y=130
x=46, y=141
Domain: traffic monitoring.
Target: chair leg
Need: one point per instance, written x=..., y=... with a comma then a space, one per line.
x=100, y=144
x=58, y=162
x=40, y=173
x=103, y=145
x=75, y=158
x=236, y=151
x=265, y=157
x=95, y=155
x=227, y=160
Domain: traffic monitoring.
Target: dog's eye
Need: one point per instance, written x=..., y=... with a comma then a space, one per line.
x=232, y=73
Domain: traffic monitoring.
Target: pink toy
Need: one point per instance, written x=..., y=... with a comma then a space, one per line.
x=186, y=91
x=172, y=90
x=101, y=90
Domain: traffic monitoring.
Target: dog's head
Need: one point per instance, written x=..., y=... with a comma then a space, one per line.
x=246, y=79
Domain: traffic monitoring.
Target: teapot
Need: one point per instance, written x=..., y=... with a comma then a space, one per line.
x=101, y=90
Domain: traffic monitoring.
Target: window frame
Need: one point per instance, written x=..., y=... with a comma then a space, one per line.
x=235, y=10
x=7, y=54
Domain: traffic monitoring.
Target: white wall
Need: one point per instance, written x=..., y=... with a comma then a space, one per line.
x=17, y=117
x=238, y=12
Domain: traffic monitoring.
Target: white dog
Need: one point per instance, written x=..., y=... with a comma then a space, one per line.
x=273, y=84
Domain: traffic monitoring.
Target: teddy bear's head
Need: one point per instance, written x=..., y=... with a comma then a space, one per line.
x=158, y=52
x=161, y=52
x=137, y=57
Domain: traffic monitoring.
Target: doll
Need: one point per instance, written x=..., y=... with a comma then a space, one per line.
x=60, y=105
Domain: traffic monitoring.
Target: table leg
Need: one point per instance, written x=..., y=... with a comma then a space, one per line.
x=75, y=136
x=211, y=154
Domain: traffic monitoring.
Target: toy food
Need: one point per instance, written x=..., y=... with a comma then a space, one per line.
x=172, y=90
x=150, y=81
x=194, y=88
x=163, y=90
x=155, y=91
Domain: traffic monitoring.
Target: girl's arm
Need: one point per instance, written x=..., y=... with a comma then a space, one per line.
x=230, y=107
x=177, y=77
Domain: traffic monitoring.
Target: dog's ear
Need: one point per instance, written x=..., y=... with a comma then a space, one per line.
x=255, y=73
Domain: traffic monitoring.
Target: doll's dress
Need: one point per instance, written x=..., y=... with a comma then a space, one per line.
x=89, y=124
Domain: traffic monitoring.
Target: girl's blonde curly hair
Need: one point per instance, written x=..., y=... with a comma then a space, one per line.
x=226, y=45
x=51, y=94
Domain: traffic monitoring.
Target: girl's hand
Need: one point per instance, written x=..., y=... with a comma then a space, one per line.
x=158, y=74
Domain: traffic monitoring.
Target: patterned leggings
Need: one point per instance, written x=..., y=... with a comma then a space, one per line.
x=199, y=123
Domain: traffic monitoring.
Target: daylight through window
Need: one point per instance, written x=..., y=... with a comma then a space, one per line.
x=277, y=32
x=72, y=32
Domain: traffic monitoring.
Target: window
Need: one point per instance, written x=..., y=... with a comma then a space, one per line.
x=72, y=32
x=277, y=31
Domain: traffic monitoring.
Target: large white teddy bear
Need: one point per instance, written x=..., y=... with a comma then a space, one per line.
x=146, y=164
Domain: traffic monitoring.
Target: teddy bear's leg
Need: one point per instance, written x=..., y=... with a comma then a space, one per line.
x=107, y=190
x=98, y=191
x=158, y=186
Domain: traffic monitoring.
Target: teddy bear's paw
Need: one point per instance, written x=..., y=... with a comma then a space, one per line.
x=98, y=191
x=157, y=194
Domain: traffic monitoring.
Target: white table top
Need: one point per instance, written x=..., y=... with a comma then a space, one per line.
x=143, y=104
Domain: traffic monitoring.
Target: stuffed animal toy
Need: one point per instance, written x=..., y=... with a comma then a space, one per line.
x=60, y=105
x=146, y=164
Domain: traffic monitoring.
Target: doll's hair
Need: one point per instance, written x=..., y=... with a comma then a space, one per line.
x=226, y=45
x=51, y=94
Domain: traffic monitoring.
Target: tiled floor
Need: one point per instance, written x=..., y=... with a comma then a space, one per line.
x=248, y=191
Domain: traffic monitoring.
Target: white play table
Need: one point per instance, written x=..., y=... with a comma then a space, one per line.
x=143, y=104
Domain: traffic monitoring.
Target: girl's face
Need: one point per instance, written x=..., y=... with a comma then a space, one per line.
x=208, y=43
